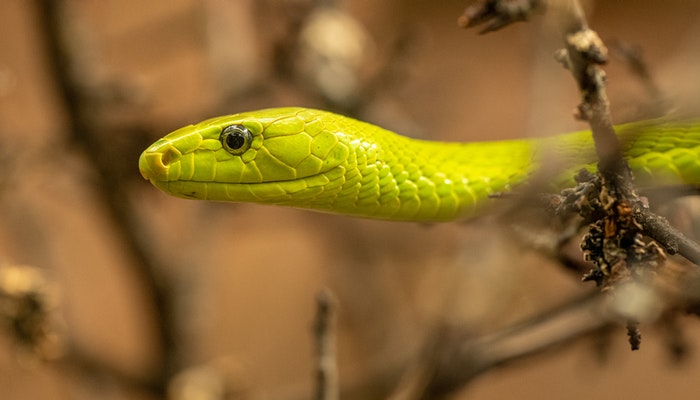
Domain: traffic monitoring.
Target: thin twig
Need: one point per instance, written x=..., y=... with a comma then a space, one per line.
x=324, y=334
x=585, y=52
x=633, y=58
x=657, y=227
x=497, y=14
x=463, y=358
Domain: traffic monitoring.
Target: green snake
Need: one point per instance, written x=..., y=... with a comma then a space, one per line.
x=323, y=161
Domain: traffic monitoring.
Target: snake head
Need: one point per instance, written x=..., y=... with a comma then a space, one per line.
x=276, y=156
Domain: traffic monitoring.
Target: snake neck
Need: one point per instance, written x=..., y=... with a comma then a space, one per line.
x=387, y=176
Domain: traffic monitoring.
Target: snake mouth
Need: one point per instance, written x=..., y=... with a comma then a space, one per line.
x=154, y=168
x=295, y=192
x=272, y=192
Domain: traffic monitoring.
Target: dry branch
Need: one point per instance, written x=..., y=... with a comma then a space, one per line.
x=324, y=334
x=79, y=92
x=615, y=237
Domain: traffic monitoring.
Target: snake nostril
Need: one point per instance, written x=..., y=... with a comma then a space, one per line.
x=169, y=156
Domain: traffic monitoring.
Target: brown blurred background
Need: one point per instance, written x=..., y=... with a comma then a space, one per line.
x=236, y=284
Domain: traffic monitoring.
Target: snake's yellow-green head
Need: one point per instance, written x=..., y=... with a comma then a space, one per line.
x=275, y=156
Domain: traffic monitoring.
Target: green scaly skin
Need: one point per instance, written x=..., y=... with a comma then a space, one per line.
x=326, y=162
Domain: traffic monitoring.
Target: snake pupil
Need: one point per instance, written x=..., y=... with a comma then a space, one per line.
x=236, y=139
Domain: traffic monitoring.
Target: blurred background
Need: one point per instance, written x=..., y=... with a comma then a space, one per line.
x=111, y=289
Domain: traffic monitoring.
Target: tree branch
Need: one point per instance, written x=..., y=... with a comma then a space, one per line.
x=324, y=334
x=77, y=89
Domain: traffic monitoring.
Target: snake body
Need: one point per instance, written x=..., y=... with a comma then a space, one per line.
x=318, y=160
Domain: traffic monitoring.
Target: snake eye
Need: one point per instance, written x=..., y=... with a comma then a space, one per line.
x=236, y=139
